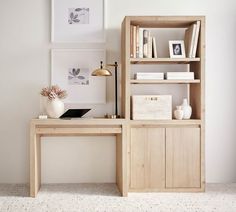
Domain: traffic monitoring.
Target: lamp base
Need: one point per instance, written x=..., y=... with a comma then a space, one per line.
x=113, y=116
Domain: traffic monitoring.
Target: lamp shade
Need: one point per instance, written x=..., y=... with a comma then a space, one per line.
x=101, y=71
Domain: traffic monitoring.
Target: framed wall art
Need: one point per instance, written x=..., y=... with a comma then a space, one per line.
x=71, y=69
x=77, y=21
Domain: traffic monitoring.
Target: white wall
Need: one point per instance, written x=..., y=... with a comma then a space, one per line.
x=25, y=69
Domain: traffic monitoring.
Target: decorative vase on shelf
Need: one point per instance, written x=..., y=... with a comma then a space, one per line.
x=187, y=109
x=54, y=108
x=179, y=113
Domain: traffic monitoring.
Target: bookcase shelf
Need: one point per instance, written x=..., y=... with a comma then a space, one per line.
x=133, y=81
x=166, y=122
x=163, y=21
x=163, y=60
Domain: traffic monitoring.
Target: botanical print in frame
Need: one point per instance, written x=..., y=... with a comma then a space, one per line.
x=78, y=76
x=71, y=69
x=78, y=15
x=77, y=21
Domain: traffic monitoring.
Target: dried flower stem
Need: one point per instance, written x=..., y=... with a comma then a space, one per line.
x=53, y=92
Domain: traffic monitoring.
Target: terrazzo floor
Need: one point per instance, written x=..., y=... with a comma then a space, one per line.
x=105, y=198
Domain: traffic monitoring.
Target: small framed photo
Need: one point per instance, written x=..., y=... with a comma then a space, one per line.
x=177, y=49
x=71, y=70
x=77, y=21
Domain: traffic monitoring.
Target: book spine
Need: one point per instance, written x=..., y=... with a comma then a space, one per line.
x=140, y=42
x=154, y=47
x=145, y=43
x=192, y=40
x=137, y=42
x=131, y=41
x=134, y=40
x=149, y=46
x=196, y=39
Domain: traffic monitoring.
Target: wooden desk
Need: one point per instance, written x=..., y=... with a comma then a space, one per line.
x=96, y=127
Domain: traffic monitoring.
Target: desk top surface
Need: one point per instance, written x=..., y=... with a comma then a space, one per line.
x=78, y=121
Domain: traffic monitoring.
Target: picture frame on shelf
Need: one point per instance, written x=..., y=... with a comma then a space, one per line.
x=177, y=49
x=71, y=69
x=77, y=21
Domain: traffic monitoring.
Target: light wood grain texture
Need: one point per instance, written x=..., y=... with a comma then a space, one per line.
x=147, y=163
x=195, y=88
x=163, y=21
x=124, y=155
x=124, y=55
x=163, y=60
x=156, y=157
x=138, y=158
x=78, y=122
x=35, y=162
x=128, y=155
x=197, y=94
x=189, y=190
x=164, y=81
x=183, y=158
x=57, y=127
x=125, y=63
x=165, y=123
x=78, y=131
x=119, y=163
x=201, y=52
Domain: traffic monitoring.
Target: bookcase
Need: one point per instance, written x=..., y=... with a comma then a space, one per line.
x=165, y=155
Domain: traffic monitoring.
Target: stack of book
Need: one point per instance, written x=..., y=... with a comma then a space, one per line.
x=191, y=39
x=149, y=76
x=142, y=44
x=179, y=75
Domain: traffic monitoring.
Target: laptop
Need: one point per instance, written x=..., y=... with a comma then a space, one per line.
x=74, y=113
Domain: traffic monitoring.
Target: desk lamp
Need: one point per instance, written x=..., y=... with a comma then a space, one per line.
x=105, y=72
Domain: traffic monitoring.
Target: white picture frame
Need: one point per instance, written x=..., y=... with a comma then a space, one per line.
x=177, y=49
x=86, y=25
x=68, y=70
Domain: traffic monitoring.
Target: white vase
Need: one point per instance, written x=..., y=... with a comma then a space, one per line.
x=179, y=113
x=55, y=108
x=187, y=109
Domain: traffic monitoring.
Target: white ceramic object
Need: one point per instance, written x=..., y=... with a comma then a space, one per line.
x=187, y=109
x=55, y=108
x=179, y=113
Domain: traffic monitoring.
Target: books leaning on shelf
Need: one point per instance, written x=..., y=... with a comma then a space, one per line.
x=142, y=44
x=149, y=76
x=179, y=75
x=191, y=39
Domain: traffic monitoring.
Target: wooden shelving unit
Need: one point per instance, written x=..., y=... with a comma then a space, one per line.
x=165, y=155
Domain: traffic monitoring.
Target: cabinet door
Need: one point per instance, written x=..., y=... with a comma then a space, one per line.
x=147, y=162
x=183, y=158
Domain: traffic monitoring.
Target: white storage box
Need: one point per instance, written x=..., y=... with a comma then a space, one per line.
x=149, y=76
x=179, y=75
x=151, y=107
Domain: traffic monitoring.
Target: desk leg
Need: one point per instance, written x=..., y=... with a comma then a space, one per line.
x=35, y=162
x=121, y=162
